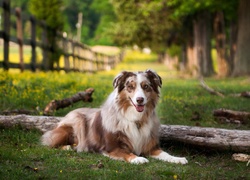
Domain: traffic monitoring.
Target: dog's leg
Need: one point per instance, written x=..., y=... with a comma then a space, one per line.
x=128, y=157
x=161, y=155
x=80, y=131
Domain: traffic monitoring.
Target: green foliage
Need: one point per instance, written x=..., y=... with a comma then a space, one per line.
x=97, y=16
x=90, y=19
x=104, y=10
x=174, y=50
x=48, y=10
x=191, y=7
x=144, y=23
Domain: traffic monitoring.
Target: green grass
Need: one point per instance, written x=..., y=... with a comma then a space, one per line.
x=21, y=155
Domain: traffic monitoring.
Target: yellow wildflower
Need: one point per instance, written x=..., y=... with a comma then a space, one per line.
x=175, y=176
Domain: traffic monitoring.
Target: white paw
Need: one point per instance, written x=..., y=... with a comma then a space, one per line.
x=139, y=160
x=172, y=159
x=177, y=160
x=80, y=148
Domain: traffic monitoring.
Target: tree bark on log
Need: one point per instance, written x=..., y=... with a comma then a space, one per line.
x=230, y=115
x=42, y=123
x=215, y=138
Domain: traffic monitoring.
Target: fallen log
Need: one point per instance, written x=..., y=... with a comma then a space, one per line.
x=42, y=123
x=245, y=94
x=57, y=104
x=232, y=116
x=210, y=90
x=215, y=138
x=219, y=139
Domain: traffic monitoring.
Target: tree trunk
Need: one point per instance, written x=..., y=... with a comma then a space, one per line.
x=220, y=37
x=192, y=65
x=183, y=61
x=220, y=139
x=202, y=44
x=242, y=57
x=232, y=44
x=161, y=57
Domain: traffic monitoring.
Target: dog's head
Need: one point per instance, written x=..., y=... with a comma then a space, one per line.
x=138, y=89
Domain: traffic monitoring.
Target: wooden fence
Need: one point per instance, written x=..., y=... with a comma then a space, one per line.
x=77, y=56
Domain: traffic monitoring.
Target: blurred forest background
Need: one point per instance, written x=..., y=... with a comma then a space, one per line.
x=204, y=37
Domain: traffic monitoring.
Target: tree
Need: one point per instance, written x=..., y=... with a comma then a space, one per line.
x=224, y=18
x=202, y=43
x=242, y=57
x=104, y=9
x=90, y=18
x=199, y=15
x=144, y=23
x=50, y=12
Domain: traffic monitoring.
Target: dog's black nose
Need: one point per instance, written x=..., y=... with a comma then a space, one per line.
x=139, y=100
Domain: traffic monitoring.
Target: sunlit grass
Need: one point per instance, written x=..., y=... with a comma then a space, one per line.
x=21, y=155
x=180, y=97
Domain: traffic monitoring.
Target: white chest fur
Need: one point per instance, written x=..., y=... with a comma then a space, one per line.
x=138, y=136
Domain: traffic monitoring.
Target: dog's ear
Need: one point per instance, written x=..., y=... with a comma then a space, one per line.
x=154, y=78
x=120, y=80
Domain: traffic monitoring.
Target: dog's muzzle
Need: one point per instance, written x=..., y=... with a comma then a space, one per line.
x=139, y=106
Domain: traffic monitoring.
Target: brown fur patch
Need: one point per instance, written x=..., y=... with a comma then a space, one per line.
x=155, y=152
x=123, y=101
x=62, y=135
x=120, y=154
x=151, y=146
x=97, y=136
x=117, y=140
x=155, y=80
x=120, y=80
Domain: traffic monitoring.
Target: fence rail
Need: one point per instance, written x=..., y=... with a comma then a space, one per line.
x=77, y=56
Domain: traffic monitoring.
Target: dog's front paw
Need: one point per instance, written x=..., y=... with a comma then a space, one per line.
x=139, y=160
x=172, y=159
x=177, y=160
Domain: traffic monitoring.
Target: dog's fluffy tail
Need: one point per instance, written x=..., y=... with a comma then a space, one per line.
x=59, y=136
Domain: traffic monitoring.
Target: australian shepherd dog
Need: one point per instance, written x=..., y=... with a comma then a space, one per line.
x=124, y=128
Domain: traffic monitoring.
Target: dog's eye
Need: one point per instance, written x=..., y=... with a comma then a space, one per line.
x=130, y=87
x=145, y=87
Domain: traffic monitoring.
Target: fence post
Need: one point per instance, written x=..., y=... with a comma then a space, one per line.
x=20, y=37
x=6, y=36
x=33, y=43
x=45, y=46
x=66, y=54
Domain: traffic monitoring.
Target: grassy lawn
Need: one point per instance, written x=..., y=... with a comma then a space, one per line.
x=22, y=157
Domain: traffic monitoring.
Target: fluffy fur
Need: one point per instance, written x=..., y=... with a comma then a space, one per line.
x=124, y=128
